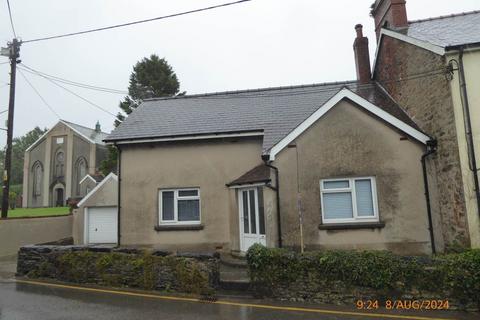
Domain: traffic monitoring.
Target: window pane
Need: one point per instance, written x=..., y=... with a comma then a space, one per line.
x=188, y=210
x=363, y=191
x=261, y=214
x=335, y=184
x=253, y=211
x=338, y=205
x=167, y=205
x=188, y=193
x=246, y=224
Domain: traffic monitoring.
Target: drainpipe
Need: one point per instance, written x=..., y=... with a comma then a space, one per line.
x=267, y=162
x=468, y=127
x=119, y=160
x=431, y=148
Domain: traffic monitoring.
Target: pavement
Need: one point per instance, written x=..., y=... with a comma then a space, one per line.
x=27, y=300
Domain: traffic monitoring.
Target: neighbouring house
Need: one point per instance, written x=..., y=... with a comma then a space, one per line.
x=439, y=61
x=58, y=161
x=95, y=219
x=89, y=182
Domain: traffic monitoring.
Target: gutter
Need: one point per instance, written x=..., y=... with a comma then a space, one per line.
x=431, y=148
x=118, y=192
x=267, y=162
x=468, y=126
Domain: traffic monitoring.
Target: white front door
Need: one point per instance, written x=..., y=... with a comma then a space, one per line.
x=101, y=225
x=252, y=221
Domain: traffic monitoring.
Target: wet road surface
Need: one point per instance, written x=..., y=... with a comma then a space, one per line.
x=38, y=302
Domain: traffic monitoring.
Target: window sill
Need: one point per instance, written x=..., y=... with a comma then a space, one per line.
x=352, y=225
x=179, y=227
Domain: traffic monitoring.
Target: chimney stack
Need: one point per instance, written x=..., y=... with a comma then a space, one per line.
x=362, y=56
x=390, y=14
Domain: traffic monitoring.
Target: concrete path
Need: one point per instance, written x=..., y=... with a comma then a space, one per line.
x=39, y=301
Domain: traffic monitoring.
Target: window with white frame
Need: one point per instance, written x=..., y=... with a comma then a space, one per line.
x=349, y=200
x=179, y=206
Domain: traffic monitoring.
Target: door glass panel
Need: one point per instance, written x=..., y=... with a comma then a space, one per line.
x=246, y=225
x=261, y=215
x=253, y=211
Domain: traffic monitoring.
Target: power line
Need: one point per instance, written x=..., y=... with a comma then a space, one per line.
x=136, y=22
x=77, y=95
x=73, y=83
x=38, y=93
x=5, y=62
x=11, y=19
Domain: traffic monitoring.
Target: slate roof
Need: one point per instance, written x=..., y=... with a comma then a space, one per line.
x=93, y=135
x=447, y=31
x=275, y=111
x=260, y=173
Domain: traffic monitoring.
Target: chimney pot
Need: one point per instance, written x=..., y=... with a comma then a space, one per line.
x=359, y=29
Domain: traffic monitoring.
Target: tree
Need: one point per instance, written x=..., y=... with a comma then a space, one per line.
x=151, y=77
x=19, y=145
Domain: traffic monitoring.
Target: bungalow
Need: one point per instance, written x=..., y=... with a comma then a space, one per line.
x=333, y=165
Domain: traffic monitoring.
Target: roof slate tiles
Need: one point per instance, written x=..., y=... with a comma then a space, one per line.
x=445, y=31
x=275, y=111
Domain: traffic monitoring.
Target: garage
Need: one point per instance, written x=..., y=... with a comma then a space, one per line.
x=101, y=225
x=95, y=221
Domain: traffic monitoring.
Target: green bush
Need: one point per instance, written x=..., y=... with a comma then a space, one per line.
x=451, y=275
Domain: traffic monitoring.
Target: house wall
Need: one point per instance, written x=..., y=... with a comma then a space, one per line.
x=87, y=185
x=208, y=165
x=105, y=196
x=471, y=61
x=428, y=101
x=348, y=142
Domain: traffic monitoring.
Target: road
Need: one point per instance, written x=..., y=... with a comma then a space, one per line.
x=26, y=301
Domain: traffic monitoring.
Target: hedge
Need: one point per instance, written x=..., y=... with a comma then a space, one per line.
x=277, y=272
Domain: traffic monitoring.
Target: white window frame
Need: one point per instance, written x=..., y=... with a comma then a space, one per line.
x=351, y=189
x=176, y=198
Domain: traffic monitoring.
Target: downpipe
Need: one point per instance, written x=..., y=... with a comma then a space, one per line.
x=267, y=162
x=431, y=148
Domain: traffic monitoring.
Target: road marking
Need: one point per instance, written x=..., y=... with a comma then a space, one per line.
x=231, y=303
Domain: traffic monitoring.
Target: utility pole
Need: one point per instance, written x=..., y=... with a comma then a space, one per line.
x=13, y=51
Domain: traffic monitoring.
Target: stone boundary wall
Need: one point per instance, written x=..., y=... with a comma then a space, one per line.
x=17, y=232
x=122, y=267
x=344, y=277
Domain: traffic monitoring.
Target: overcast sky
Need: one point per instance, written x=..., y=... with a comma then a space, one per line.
x=261, y=43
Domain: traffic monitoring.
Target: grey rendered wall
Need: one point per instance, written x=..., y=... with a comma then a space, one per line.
x=15, y=233
x=348, y=142
x=203, y=164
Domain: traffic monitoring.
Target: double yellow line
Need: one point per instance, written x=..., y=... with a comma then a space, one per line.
x=232, y=303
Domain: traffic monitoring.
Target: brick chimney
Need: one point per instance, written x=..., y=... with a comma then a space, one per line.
x=390, y=14
x=362, y=56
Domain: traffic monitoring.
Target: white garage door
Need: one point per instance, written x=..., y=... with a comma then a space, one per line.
x=102, y=225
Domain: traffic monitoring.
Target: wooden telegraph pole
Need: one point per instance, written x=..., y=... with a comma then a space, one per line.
x=13, y=51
